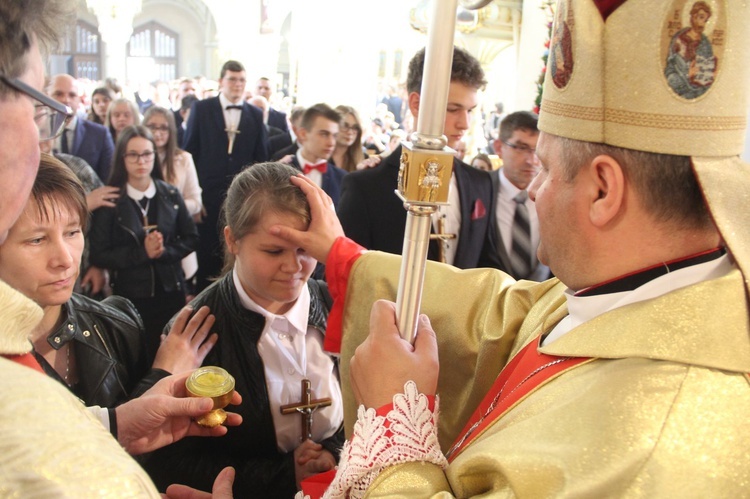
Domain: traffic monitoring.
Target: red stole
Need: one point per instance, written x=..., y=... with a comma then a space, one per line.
x=25, y=359
x=528, y=370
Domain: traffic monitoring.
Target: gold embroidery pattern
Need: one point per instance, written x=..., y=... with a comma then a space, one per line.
x=666, y=121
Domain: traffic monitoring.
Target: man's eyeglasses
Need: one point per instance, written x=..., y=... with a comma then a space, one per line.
x=134, y=157
x=50, y=116
x=520, y=147
x=345, y=127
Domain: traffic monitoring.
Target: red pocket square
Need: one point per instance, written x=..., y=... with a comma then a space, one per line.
x=479, y=210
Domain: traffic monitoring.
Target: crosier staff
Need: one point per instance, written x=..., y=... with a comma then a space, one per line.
x=426, y=162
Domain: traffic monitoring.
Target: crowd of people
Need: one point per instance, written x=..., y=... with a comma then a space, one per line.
x=141, y=240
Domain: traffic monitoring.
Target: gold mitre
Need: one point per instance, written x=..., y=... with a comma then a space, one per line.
x=663, y=76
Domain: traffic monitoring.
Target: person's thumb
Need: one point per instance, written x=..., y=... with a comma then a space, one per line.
x=223, y=484
x=188, y=406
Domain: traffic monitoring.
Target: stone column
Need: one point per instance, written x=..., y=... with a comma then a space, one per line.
x=115, y=25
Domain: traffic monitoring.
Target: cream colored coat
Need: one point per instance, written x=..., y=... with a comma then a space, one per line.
x=660, y=412
x=50, y=445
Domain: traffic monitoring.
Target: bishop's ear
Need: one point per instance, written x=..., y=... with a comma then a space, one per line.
x=607, y=190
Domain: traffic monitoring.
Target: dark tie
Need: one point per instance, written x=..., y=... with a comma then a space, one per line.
x=321, y=167
x=64, y=142
x=233, y=107
x=143, y=202
x=520, y=252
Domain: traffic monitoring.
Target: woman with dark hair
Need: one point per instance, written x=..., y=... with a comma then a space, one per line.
x=100, y=99
x=143, y=239
x=178, y=169
x=96, y=349
x=349, y=152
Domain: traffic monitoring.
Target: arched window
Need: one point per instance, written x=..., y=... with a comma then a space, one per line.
x=153, y=49
x=82, y=46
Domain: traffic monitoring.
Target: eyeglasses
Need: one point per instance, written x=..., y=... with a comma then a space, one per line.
x=346, y=127
x=134, y=157
x=522, y=148
x=158, y=128
x=50, y=116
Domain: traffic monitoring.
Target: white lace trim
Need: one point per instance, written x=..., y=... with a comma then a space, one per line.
x=413, y=429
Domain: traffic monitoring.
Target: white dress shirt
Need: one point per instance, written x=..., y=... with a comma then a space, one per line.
x=504, y=213
x=292, y=351
x=231, y=116
x=313, y=175
x=452, y=215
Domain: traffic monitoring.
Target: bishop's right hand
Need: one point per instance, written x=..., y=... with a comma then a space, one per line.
x=384, y=362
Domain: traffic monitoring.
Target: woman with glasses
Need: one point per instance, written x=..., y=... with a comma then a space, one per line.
x=348, y=153
x=143, y=239
x=178, y=169
x=120, y=114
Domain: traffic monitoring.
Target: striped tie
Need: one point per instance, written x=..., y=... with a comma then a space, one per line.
x=520, y=252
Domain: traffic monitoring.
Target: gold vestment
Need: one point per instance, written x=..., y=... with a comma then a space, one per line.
x=661, y=412
x=50, y=445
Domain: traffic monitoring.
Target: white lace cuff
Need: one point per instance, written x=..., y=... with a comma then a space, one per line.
x=407, y=433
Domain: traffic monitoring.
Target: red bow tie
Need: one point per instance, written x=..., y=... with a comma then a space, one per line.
x=321, y=167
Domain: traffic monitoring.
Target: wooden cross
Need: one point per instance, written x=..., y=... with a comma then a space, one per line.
x=442, y=238
x=305, y=408
x=231, y=134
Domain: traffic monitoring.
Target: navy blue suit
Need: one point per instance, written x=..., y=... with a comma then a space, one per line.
x=374, y=216
x=207, y=140
x=278, y=119
x=93, y=144
x=332, y=179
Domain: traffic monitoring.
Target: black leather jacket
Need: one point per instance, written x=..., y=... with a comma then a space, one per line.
x=262, y=471
x=109, y=347
x=117, y=236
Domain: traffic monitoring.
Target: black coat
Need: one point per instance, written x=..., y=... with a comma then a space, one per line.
x=116, y=242
x=374, y=216
x=110, y=350
x=262, y=471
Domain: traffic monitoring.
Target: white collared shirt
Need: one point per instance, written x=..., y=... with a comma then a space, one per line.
x=231, y=116
x=292, y=351
x=314, y=175
x=70, y=135
x=137, y=195
x=504, y=214
x=585, y=308
x=452, y=214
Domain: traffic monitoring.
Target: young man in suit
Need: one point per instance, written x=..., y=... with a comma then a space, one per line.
x=85, y=139
x=374, y=216
x=224, y=135
x=518, y=135
x=317, y=137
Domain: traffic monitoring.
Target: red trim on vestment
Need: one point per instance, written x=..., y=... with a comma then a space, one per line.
x=515, y=381
x=341, y=258
x=26, y=359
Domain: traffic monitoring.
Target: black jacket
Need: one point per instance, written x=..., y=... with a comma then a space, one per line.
x=116, y=242
x=262, y=471
x=110, y=351
x=374, y=216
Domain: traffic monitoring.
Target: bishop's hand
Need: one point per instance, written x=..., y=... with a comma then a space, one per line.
x=384, y=362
